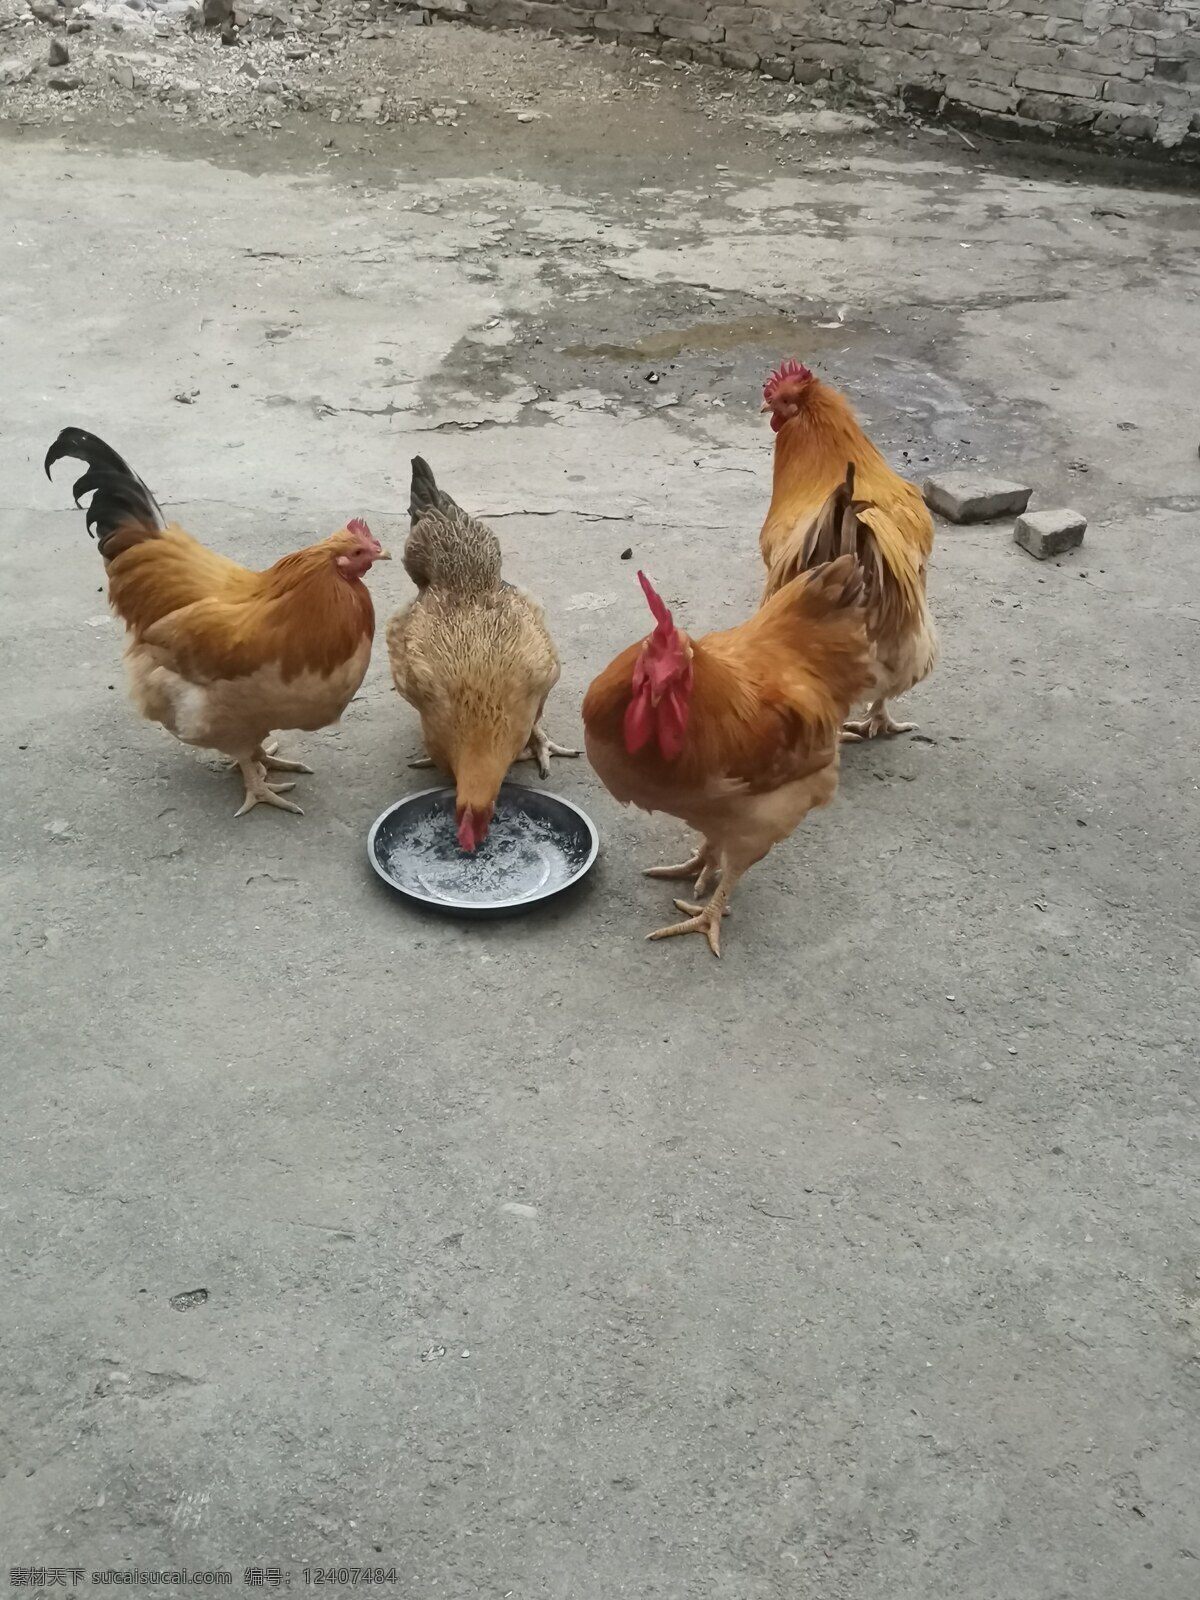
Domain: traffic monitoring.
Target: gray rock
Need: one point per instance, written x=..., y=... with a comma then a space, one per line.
x=832, y=123
x=14, y=70
x=835, y=123
x=59, y=55
x=1049, y=533
x=45, y=11
x=970, y=497
x=66, y=85
x=124, y=76
x=370, y=109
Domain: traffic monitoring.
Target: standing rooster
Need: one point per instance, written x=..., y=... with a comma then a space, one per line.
x=219, y=655
x=736, y=733
x=472, y=654
x=816, y=435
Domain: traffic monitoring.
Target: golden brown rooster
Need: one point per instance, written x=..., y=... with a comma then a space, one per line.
x=816, y=436
x=472, y=654
x=219, y=655
x=736, y=733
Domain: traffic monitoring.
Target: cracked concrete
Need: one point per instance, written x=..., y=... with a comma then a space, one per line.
x=541, y=1261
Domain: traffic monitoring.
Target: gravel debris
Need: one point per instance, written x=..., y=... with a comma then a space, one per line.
x=256, y=65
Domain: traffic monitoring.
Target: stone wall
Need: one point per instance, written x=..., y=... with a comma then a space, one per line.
x=1127, y=71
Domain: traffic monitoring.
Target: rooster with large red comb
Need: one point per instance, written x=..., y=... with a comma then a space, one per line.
x=219, y=655
x=736, y=733
x=817, y=437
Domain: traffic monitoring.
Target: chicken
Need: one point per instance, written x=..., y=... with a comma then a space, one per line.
x=816, y=435
x=472, y=654
x=736, y=733
x=219, y=655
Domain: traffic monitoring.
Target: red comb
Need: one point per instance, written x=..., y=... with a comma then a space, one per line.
x=789, y=372
x=358, y=528
x=657, y=604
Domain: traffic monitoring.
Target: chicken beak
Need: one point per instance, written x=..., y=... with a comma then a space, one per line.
x=766, y=406
x=384, y=555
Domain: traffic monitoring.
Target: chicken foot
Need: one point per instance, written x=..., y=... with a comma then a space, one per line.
x=704, y=919
x=259, y=792
x=876, y=722
x=704, y=863
x=541, y=747
x=268, y=759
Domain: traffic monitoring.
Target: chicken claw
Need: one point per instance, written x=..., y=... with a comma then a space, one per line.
x=540, y=748
x=270, y=761
x=422, y=761
x=701, y=867
x=266, y=757
x=701, y=919
x=876, y=722
x=260, y=793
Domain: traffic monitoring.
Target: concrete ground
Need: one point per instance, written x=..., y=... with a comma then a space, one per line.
x=541, y=1261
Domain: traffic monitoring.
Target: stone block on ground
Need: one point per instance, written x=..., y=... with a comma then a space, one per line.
x=970, y=497
x=1049, y=533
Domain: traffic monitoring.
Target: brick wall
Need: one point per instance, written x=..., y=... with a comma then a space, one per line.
x=1125, y=70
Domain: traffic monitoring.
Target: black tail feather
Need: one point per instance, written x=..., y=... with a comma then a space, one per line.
x=425, y=495
x=119, y=497
x=847, y=512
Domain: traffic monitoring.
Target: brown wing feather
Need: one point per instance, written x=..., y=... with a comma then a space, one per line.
x=769, y=696
x=217, y=620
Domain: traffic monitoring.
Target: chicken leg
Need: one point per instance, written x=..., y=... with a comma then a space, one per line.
x=876, y=722
x=259, y=792
x=541, y=747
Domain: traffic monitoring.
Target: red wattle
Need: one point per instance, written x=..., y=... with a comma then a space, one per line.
x=639, y=723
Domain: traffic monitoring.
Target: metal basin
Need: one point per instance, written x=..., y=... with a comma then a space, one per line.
x=538, y=846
